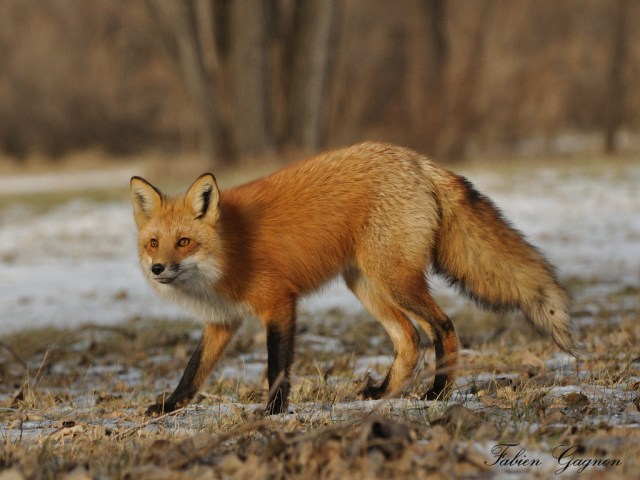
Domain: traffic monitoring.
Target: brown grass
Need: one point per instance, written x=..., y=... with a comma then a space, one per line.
x=73, y=403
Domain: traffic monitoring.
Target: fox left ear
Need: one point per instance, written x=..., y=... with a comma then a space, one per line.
x=204, y=197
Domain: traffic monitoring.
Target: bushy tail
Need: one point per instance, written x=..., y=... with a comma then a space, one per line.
x=480, y=252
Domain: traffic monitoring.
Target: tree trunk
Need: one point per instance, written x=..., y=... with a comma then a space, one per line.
x=199, y=80
x=248, y=65
x=312, y=40
x=459, y=122
x=437, y=50
x=205, y=16
x=614, y=101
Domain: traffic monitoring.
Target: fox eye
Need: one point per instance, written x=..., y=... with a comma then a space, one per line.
x=153, y=243
x=183, y=242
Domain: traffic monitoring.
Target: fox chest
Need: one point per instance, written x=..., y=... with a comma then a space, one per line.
x=205, y=303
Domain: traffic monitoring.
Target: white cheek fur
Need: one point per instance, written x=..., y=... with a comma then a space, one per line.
x=194, y=289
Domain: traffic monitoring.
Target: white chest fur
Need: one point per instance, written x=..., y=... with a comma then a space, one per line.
x=196, y=293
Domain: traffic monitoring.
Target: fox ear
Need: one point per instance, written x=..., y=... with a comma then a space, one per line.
x=146, y=200
x=204, y=197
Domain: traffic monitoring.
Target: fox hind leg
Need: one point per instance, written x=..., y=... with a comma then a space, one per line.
x=400, y=329
x=418, y=303
x=408, y=291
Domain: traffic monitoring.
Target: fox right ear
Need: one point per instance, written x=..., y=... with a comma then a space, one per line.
x=146, y=200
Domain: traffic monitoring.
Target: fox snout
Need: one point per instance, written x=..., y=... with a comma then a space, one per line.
x=164, y=273
x=157, y=268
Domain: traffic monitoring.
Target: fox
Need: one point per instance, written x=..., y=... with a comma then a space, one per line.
x=383, y=217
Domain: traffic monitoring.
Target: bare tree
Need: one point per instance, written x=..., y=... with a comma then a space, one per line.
x=199, y=69
x=437, y=50
x=458, y=122
x=313, y=36
x=241, y=77
x=614, y=101
x=249, y=69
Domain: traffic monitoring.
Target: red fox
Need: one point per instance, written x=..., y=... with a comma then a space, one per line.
x=377, y=214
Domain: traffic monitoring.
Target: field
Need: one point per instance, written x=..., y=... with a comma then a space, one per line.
x=85, y=347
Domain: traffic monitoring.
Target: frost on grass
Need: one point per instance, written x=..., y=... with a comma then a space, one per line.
x=73, y=392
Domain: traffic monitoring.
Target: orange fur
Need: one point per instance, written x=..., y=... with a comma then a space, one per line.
x=378, y=214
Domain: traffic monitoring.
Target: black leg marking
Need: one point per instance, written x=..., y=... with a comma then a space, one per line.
x=185, y=390
x=280, y=356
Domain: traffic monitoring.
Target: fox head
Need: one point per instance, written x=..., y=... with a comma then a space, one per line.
x=177, y=238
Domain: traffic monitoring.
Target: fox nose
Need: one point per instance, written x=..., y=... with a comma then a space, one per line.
x=157, y=268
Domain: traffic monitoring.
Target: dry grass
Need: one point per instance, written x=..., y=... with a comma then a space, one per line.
x=73, y=403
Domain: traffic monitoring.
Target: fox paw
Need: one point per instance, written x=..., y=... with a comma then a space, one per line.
x=274, y=408
x=432, y=395
x=371, y=390
x=158, y=409
x=437, y=394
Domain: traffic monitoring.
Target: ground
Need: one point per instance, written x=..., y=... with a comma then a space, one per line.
x=85, y=347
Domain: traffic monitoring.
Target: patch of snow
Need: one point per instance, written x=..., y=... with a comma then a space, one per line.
x=561, y=360
x=318, y=342
x=464, y=381
x=334, y=296
x=245, y=371
x=65, y=182
x=368, y=363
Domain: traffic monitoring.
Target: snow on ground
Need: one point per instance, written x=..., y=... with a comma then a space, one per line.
x=77, y=262
x=66, y=181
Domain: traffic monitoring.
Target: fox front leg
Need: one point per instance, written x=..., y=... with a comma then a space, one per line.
x=213, y=342
x=281, y=331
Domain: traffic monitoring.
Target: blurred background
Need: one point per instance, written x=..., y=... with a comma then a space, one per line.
x=229, y=81
x=536, y=101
